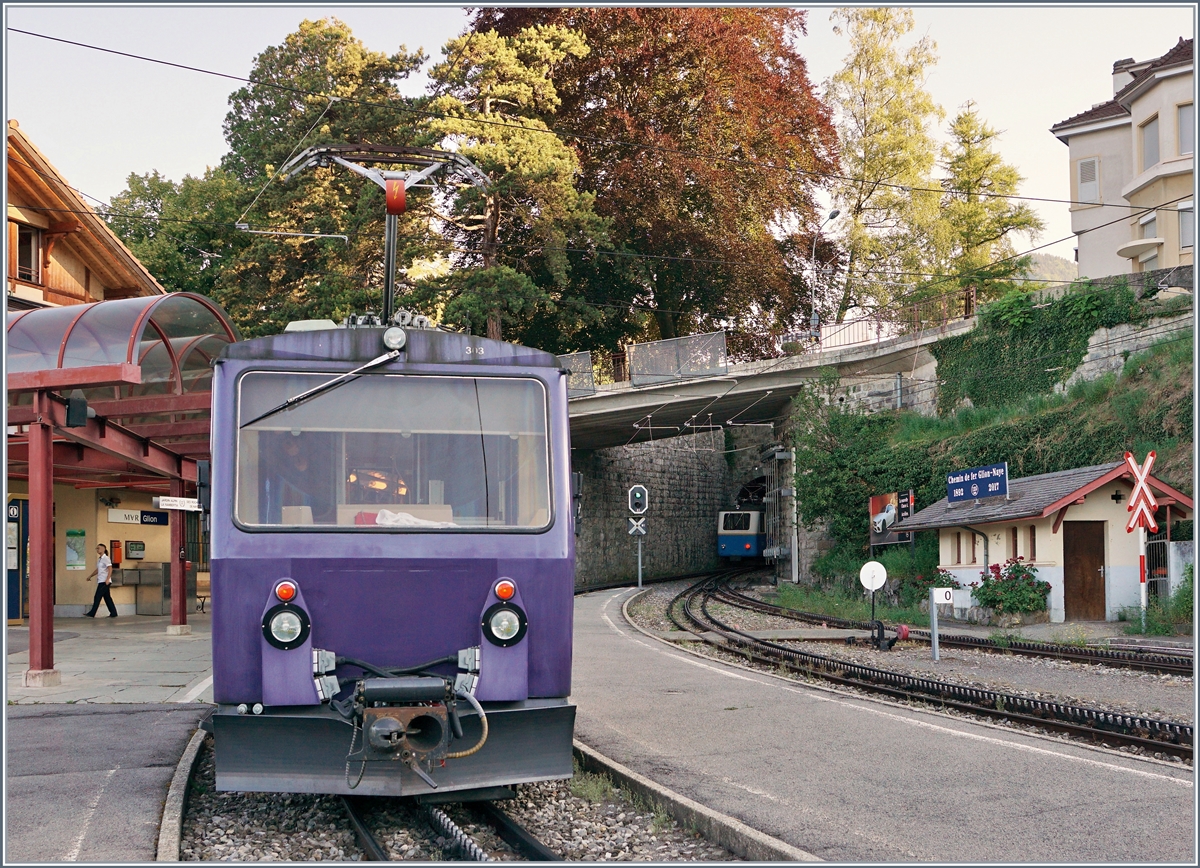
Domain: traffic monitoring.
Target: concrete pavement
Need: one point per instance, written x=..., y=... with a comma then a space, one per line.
x=124, y=659
x=851, y=779
x=89, y=762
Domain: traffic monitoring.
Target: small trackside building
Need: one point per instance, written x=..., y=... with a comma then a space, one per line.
x=1070, y=525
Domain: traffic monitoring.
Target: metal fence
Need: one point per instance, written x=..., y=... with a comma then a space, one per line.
x=678, y=359
x=581, y=379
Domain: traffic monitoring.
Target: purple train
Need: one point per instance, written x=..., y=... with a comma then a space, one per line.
x=392, y=564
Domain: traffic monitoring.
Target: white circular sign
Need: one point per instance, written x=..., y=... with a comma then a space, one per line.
x=872, y=575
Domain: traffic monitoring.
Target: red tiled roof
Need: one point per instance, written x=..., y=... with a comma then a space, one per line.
x=1110, y=109
x=1181, y=53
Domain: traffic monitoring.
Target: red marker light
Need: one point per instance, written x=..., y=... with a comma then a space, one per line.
x=505, y=589
x=747, y=546
x=286, y=591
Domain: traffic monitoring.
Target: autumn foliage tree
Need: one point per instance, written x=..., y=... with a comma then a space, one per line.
x=699, y=132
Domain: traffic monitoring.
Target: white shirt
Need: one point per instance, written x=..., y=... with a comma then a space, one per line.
x=103, y=569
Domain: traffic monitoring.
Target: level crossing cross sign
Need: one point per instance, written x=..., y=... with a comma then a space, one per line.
x=1142, y=503
x=637, y=526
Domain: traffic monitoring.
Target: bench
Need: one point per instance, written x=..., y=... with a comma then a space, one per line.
x=203, y=589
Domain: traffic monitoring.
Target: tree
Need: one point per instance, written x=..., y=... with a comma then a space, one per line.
x=978, y=223
x=884, y=113
x=321, y=85
x=510, y=241
x=179, y=231
x=698, y=130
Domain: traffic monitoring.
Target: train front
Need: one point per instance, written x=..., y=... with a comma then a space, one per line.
x=392, y=564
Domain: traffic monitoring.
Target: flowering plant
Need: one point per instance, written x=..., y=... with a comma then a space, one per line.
x=1013, y=587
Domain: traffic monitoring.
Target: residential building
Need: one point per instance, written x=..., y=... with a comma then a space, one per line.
x=1135, y=149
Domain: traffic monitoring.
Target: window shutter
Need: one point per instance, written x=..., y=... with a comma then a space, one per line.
x=1089, y=186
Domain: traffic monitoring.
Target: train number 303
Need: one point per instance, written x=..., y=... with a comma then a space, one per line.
x=474, y=351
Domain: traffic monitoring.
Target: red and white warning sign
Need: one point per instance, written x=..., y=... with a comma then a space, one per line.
x=1142, y=504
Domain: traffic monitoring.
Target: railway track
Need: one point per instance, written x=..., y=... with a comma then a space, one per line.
x=1159, y=661
x=458, y=840
x=689, y=611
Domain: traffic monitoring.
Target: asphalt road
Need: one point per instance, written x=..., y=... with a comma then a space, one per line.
x=849, y=779
x=87, y=783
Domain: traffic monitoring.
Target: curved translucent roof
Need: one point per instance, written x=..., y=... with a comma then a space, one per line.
x=172, y=338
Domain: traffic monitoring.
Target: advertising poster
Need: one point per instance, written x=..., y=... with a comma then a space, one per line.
x=76, y=549
x=885, y=511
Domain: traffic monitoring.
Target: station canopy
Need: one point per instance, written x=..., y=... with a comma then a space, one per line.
x=143, y=363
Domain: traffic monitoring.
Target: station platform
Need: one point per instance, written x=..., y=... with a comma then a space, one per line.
x=90, y=761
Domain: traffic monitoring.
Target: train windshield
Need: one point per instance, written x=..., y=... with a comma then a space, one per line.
x=423, y=453
x=736, y=521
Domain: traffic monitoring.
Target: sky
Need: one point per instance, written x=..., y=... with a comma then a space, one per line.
x=100, y=117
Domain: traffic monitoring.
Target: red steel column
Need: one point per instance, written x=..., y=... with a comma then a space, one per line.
x=178, y=555
x=41, y=549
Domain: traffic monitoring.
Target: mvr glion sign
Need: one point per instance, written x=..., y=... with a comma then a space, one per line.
x=977, y=483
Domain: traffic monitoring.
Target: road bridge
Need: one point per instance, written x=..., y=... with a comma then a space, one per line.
x=619, y=414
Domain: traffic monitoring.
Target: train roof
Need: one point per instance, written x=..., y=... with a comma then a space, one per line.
x=423, y=346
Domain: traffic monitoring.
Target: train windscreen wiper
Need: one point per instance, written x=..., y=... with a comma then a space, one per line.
x=324, y=387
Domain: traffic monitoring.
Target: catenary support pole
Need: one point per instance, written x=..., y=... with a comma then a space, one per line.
x=795, y=529
x=933, y=626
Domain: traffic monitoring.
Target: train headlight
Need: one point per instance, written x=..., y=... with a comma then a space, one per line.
x=286, y=626
x=504, y=624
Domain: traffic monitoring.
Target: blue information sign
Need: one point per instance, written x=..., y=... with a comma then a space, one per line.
x=977, y=483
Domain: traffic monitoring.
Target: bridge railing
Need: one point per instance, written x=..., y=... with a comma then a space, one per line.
x=676, y=359
x=581, y=376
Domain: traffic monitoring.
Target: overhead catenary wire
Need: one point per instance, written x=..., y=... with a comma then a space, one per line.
x=573, y=134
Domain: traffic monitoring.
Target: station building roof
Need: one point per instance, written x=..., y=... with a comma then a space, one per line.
x=1037, y=496
x=144, y=364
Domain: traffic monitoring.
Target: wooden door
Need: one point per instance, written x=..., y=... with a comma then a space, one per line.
x=1083, y=570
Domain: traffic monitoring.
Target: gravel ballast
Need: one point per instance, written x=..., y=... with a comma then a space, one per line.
x=584, y=819
x=1126, y=691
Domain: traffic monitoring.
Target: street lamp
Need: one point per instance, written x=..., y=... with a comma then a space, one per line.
x=816, y=321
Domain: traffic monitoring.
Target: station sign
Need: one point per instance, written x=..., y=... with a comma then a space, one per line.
x=188, y=504
x=138, y=516
x=977, y=483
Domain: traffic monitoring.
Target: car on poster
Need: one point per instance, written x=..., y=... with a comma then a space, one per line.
x=885, y=510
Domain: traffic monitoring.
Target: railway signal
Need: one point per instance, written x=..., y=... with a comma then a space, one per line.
x=639, y=502
x=1142, y=505
x=639, y=499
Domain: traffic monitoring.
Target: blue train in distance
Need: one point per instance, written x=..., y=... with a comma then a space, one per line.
x=740, y=534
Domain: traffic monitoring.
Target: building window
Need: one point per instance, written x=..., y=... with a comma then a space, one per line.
x=1187, y=121
x=1149, y=143
x=1032, y=542
x=1187, y=225
x=1149, y=261
x=29, y=253
x=958, y=548
x=974, y=556
x=1013, y=541
x=1149, y=225
x=1089, y=183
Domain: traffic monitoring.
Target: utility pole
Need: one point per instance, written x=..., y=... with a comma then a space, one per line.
x=425, y=163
